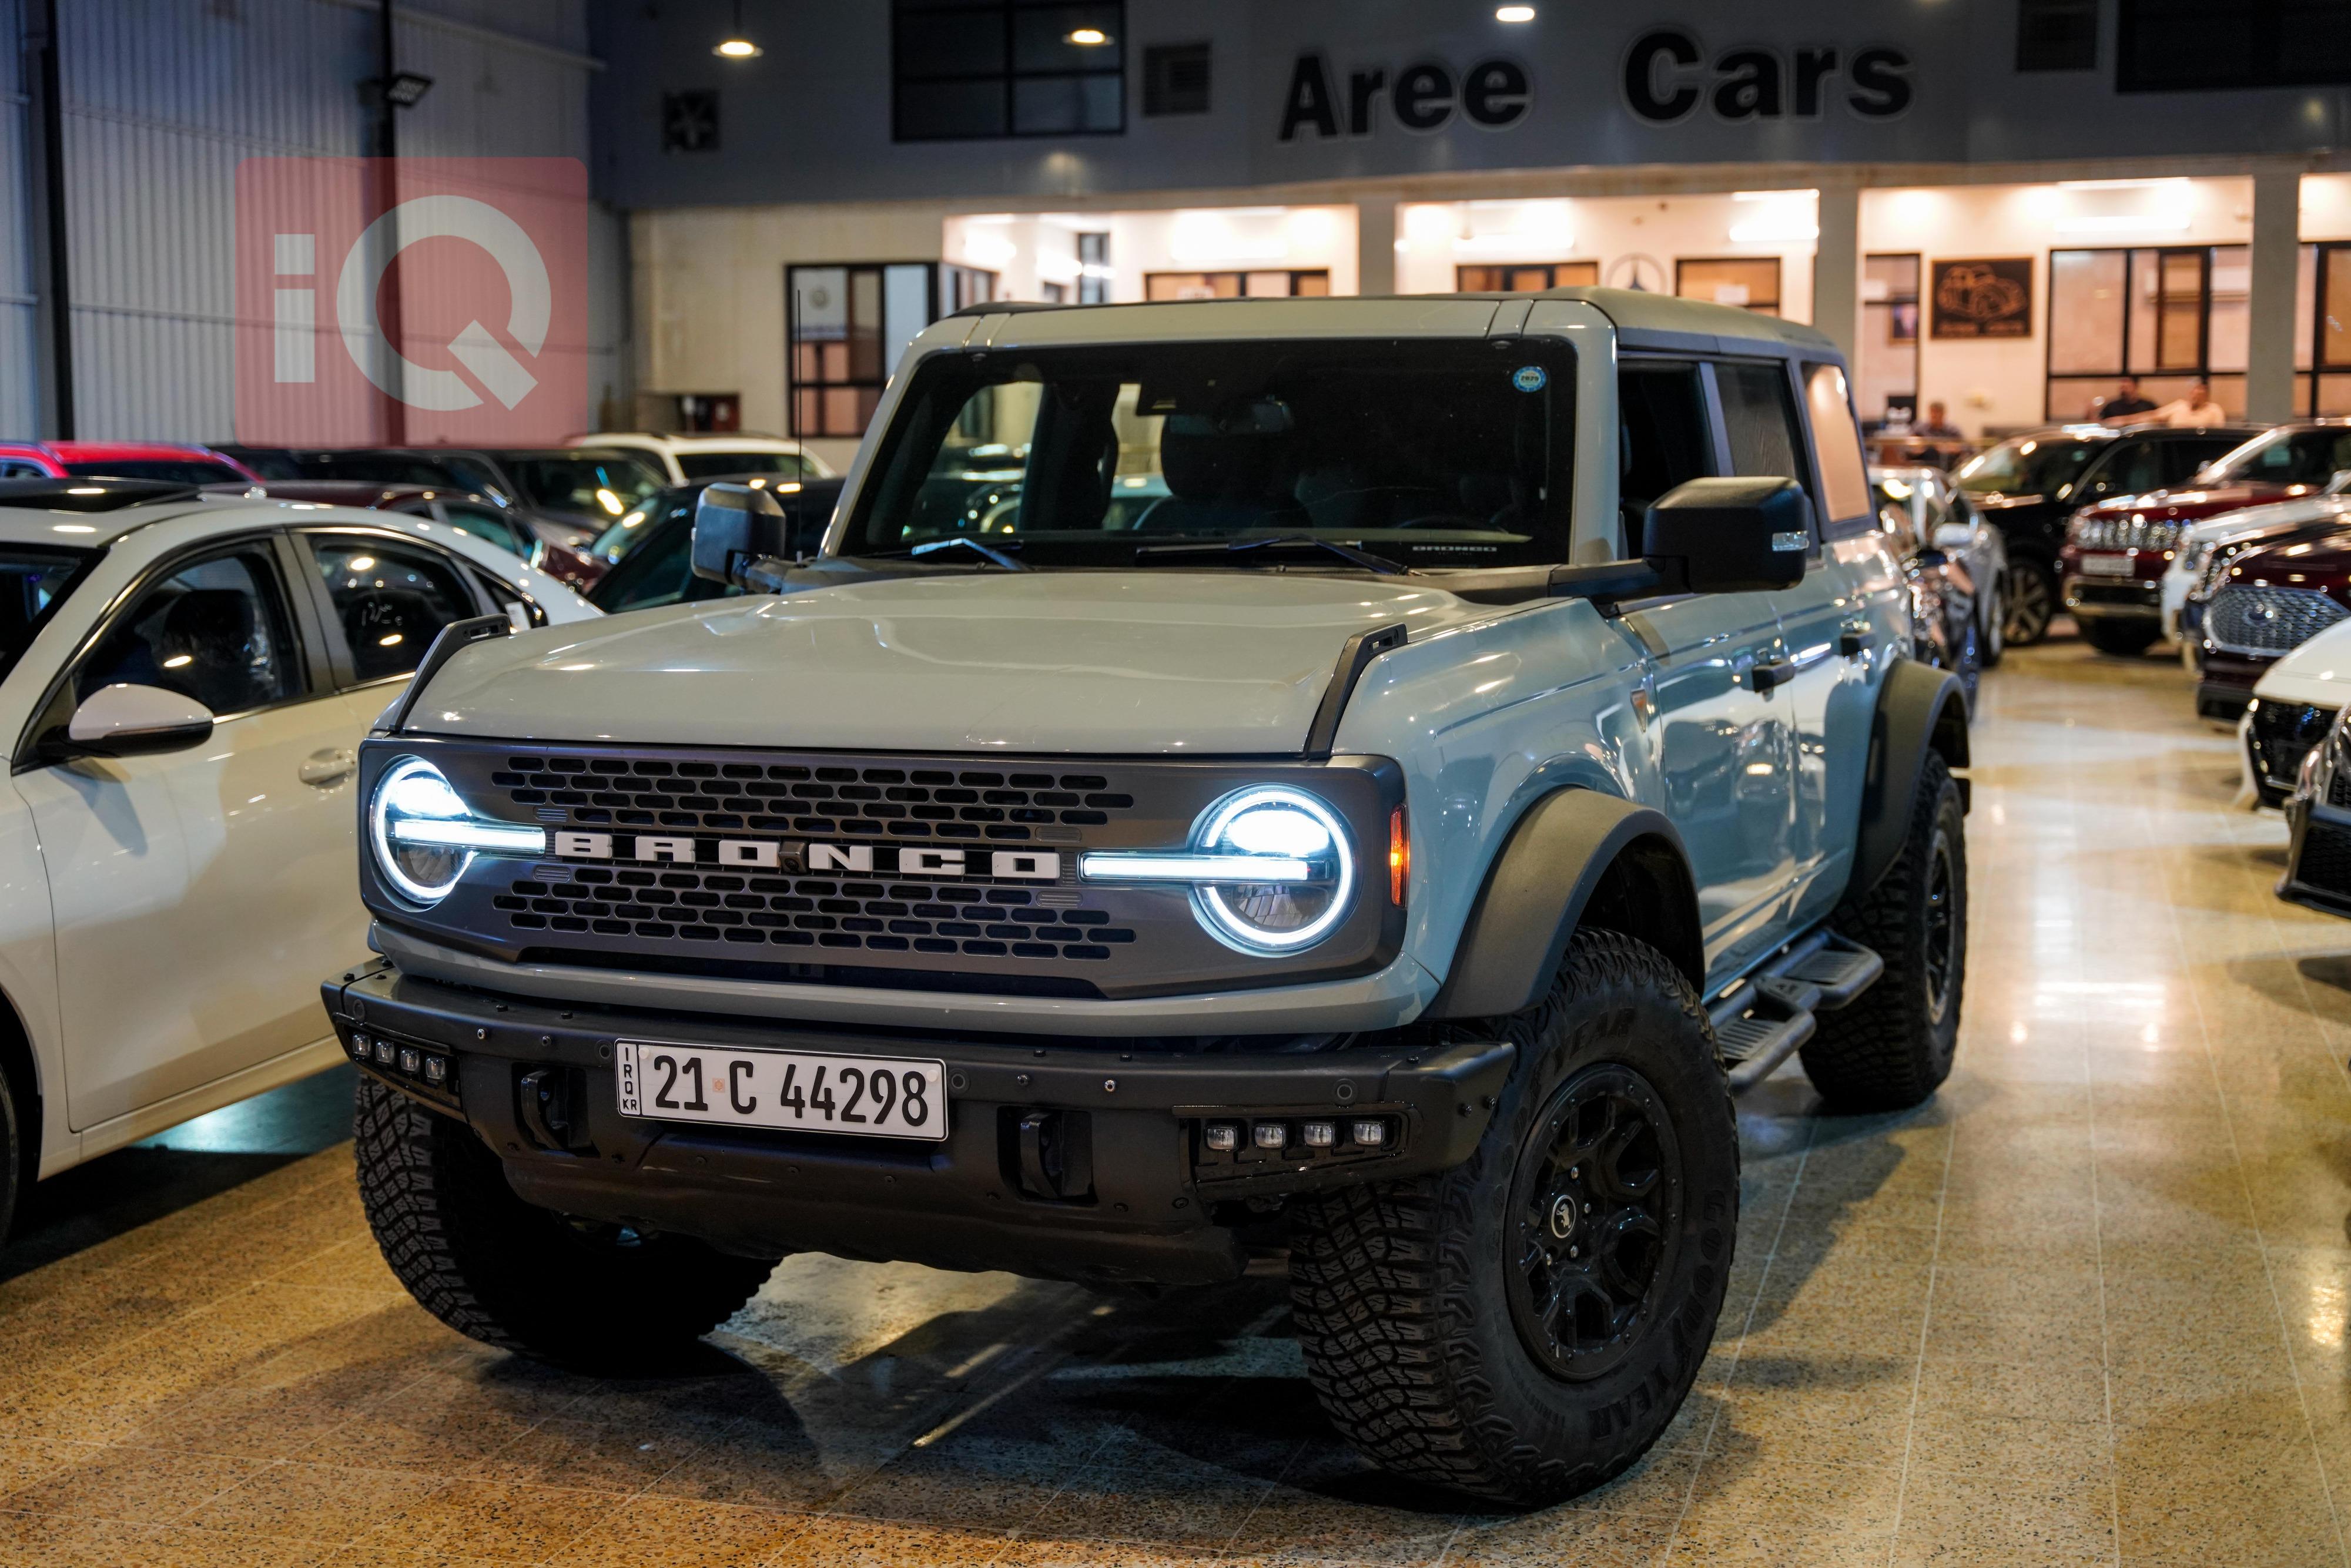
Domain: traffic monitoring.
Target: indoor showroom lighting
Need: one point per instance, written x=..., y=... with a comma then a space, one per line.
x=1775, y=216
x=738, y=45
x=2126, y=206
x=1521, y=231
x=1089, y=37
x=1514, y=14
x=1203, y=237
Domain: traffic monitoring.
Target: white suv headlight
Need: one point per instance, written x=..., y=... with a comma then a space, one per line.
x=423, y=835
x=1269, y=868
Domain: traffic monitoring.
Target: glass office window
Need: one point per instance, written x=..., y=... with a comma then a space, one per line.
x=971, y=70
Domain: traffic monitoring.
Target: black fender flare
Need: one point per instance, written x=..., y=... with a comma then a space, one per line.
x=1565, y=849
x=1919, y=709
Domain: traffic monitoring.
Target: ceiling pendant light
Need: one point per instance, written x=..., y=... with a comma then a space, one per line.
x=736, y=45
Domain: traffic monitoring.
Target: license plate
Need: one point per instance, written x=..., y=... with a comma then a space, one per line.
x=806, y=1091
x=2106, y=566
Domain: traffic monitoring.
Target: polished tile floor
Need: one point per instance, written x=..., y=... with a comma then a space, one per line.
x=2090, y=1305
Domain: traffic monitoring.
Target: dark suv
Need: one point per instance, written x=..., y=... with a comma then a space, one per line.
x=2030, y=487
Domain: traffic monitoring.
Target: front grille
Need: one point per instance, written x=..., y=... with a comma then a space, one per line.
x=2338, y=789
x=830, y=801
x=943, y=919
x=2282, y=735
x=922, y=873
x=2123, y=533
x=2245, y=618
x=2326, y=860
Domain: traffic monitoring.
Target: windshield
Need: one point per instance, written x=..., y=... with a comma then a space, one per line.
x=2284, y=457
x=704, y=464
x=32, y=583
x=1442, y=454
x=2029, y=465
x=610, y=483
x=177, y=470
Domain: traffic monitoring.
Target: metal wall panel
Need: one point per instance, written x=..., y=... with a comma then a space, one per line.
x=19, y=364
x=165, y=98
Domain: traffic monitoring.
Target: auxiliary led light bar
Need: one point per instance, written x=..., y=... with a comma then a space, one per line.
x=1127, y=866
x=441, y=833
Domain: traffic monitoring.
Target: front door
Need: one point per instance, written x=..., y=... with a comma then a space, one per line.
x=1723, y=748
x=199, y=895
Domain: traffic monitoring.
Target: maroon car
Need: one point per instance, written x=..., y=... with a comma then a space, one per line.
x=2261, y=602
x=2115, y=552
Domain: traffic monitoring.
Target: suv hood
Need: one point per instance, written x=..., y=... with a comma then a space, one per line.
x=1166, y=660
x=2181, y=506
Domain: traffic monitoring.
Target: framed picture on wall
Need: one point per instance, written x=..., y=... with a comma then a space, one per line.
x=1982, y=298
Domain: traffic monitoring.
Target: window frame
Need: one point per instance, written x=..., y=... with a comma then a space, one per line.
x=1010, y=76
x=57, y=705
x=937, y=275
x=344, y=667
x=2201, y=371
x=1551, y=268
x=1244, y=274
x=1778, y=279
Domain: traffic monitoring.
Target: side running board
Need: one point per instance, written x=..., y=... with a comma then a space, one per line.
x=1762, y=1022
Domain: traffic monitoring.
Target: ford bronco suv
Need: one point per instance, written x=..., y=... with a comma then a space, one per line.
x=1345, y=781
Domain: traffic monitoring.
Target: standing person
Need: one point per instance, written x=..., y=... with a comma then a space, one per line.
x=2194, y=411
x=2126, y=405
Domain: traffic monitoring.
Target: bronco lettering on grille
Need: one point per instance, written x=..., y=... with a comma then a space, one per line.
x=1024, y=865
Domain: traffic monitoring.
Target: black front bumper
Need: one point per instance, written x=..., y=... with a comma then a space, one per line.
x=1148, y=1202
x=2318, y=859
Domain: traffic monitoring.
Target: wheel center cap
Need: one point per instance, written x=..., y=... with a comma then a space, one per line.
x=1562, y=1217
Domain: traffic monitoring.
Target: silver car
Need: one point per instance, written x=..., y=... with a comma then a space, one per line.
x=1941, y=514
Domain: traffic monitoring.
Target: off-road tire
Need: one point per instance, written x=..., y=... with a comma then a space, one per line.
x=2032, y=602
x=1892, y=1046
x=2124, y=639
x=1401, y=1290
x=589, y=1299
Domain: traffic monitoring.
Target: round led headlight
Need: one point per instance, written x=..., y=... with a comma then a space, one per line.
x=1294, y=870
x=425, y=837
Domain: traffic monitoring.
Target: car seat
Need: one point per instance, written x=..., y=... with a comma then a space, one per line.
x=1228, y=473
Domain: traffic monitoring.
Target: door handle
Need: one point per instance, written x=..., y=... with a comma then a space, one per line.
x=327, y=768
x=1778, y=672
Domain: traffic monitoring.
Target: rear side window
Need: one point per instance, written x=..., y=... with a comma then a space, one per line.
x=392, y=600
x=2181, y=459
x=1836, y=442
x=216, y=632
x=485, y=523
x=1759, y=420
x=719, y=464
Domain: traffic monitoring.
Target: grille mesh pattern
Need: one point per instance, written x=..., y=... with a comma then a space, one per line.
x=2124, y=533
x=2325, y=861
x=828, y=801
x=2250, y=618
x=717, y=907
x=2282, y=735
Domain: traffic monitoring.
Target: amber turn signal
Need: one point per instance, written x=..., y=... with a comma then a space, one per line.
x=1399, y=856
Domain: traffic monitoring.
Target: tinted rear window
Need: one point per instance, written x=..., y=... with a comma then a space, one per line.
x=178, y=471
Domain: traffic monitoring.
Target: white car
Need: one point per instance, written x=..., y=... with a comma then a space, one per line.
x=2294, y=707
x=686, y=458
x=184, y=680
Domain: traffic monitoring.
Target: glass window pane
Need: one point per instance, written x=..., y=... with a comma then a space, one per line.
x=392, y=601
x=216, y=632
x=949, y=44
x=2086, y=314
x=1758, y=419
x=2228, y=323
x=1042, y=38
x=2336, y=340
x=940, y=110
x=1845, y=483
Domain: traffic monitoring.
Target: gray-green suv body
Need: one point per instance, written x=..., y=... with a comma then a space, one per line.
x=1352, y=779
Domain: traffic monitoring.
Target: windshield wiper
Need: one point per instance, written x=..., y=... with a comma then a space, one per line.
x=1286, y=543
x=957, y=542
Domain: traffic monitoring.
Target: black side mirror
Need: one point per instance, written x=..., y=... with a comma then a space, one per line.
x=1729, y=536
x=735, y=526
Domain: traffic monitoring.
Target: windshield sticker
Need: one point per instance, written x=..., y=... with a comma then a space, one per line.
x=1529, y=378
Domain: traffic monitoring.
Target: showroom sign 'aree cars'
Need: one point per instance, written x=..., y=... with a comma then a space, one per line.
x=450, y=292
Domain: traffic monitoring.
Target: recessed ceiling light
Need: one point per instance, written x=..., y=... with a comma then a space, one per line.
x=1089, y=37
x=1514, y=14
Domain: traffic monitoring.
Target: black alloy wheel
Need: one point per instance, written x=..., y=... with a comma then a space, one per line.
x=2031, y=603
x=1598, y=1209
x=1942, y=947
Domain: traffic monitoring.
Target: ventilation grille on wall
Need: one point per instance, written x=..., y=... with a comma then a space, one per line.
x=1176, y=79
x=689, y=123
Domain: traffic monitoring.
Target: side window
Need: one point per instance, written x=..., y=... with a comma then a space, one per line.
x=485, y=523
x=1836, y=442
x=2182, y=459
x=390, y=599
x=1664, y=439
x=217, y=631
x=1760, y=420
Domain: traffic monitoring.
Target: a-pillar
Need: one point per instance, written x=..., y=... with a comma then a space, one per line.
x=1836, y=266
x=1375, y=243
x=2277, y=252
